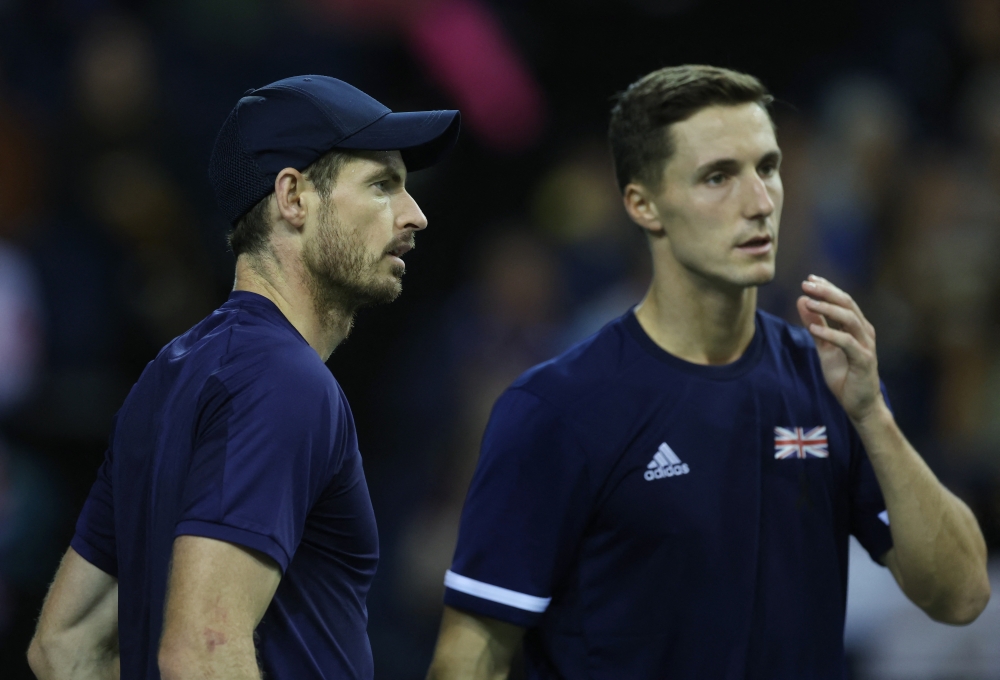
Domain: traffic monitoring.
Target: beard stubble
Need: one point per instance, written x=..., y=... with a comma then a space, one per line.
x=343, y=276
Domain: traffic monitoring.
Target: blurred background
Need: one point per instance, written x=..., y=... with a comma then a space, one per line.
x=110, y=242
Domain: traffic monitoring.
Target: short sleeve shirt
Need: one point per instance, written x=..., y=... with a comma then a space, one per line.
x=645, y=517
x=238, y=432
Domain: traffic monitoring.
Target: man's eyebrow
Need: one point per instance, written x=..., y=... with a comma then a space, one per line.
x=728, y=165
x=771, y=157
x=387, y=171
x=732, y=166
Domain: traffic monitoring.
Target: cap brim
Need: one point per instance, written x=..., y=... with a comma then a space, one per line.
x=422, y=137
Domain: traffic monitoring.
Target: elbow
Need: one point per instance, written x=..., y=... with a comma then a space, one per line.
x=40, y=656
x=36, y=657
x=964, y=608
x=56, y=653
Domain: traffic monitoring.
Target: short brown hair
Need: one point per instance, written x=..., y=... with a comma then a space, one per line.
x=252, y=231
x=640, y=119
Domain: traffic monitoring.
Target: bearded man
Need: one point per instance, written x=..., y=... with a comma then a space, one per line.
x=231, y=517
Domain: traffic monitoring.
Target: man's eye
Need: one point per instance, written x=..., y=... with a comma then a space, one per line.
x=716, y=179
x=768, y=170
x=383, y=185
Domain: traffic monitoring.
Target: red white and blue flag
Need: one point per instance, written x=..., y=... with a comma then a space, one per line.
x=796, y=442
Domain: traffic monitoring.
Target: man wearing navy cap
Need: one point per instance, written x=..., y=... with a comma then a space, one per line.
x=230, y=531
x=673, y=497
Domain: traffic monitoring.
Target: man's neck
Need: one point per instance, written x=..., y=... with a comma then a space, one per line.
x=291, y=294
x=697, y=320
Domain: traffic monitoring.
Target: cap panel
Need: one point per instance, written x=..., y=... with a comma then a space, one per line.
x=348, y=108
x=237, y=179
x=282, y=130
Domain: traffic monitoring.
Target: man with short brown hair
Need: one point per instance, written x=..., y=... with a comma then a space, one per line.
x=673, y=497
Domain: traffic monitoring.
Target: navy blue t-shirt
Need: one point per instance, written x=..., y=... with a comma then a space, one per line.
x=237, y=431
x=646, y=517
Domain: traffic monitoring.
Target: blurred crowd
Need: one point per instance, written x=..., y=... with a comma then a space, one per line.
x=110, y=245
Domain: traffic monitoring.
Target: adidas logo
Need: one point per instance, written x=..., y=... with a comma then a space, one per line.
x=665, y=463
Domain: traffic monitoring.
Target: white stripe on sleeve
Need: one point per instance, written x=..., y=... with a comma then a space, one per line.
x=511, y=598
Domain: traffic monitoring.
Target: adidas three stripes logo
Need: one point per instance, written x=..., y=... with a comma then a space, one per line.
x=665, y=463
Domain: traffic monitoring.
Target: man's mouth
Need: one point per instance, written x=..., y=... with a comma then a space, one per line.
x=400, y=249
x=758, y=245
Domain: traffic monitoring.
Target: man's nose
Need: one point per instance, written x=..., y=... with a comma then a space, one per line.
x=758, y=202
x=410, y=215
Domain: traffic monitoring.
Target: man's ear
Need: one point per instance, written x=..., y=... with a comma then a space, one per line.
x=289, y=186
x=641, y=208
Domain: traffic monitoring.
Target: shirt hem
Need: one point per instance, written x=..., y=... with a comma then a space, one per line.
x=494, y=610
x=98, y=558
x=242, y=537
x=488, y=591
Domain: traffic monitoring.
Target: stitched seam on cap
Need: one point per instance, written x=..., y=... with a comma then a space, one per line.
x=323, y=109
x=243, y=148
x=365, y=127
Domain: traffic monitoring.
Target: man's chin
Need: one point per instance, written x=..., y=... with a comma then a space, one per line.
x=757, y=274
x=383, y=288
x=749, y=278
x=761, y=279
x=384, y=293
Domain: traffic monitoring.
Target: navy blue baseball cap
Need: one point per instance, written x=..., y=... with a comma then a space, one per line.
x=292, y=122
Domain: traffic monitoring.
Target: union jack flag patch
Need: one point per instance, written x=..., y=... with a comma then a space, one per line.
x=794, y=442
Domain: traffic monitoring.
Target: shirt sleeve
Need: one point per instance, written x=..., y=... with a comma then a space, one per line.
x=94, y=539
x=869, y=518
x=262, y=455
x=524, y=515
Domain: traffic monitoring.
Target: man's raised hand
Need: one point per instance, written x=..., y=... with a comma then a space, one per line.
x=846, y=344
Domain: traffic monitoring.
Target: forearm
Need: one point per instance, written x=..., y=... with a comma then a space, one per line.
x=938, y=548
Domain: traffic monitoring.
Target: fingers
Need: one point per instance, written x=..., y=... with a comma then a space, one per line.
x=818, y=287
x=846, y=319
x=807, y=315
x=856, y=353
x=821, y=289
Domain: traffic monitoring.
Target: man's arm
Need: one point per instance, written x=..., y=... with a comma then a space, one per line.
x=473, y=647
x=216, y=596
x=77, y=633
x=939, y=554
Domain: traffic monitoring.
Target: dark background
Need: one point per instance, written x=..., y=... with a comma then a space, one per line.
x=110, y=242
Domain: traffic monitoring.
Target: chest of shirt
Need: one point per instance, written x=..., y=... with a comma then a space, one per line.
x=715, y=456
